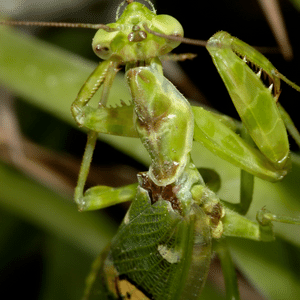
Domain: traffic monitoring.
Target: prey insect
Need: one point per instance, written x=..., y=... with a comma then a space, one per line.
x=163, y=247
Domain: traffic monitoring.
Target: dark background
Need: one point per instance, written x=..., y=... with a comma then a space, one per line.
x=200, y=20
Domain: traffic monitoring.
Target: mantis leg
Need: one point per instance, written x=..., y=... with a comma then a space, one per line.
x=255, y=99
x=110, y=120
x=98, y=197
x=238, y=226
x=217, y=137
x=246, y=183
x=84, y=169
x=265, y=218
x=228, y=268
x=104, y=75
x=289, y=124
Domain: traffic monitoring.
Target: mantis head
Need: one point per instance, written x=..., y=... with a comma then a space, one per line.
x=127, y=39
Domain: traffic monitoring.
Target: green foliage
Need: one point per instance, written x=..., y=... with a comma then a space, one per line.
x=50, y=79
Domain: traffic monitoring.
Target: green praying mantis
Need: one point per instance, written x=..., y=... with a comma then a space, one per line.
x=163, y=247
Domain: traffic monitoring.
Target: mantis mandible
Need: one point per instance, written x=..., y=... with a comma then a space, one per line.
x=185, y=215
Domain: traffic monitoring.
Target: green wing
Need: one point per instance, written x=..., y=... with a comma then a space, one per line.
x=157, y=253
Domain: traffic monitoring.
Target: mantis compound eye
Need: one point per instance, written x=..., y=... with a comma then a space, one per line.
x=102, y=43
x=169, y=26
x=102, y=51
x=99, y=49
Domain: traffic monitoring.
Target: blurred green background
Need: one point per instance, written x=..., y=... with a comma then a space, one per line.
x=46, y=245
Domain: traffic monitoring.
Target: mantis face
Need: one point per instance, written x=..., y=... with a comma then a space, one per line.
x=130, y=42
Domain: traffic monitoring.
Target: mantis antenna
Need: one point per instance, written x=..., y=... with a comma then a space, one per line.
x=60, y=24
x=203, y=43
x=177, y=38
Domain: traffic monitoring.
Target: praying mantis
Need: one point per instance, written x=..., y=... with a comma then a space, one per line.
x=172, y=173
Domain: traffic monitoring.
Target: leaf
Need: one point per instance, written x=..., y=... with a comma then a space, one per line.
x=50, y=79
